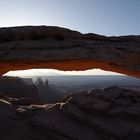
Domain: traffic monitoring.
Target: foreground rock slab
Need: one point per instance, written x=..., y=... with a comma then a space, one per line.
x=60, y=48
x=101, y=114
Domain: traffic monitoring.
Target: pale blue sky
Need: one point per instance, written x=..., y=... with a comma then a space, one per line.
x=107, y=17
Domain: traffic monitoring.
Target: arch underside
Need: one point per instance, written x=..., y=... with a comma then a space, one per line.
x=78, y=65
x=63, y=49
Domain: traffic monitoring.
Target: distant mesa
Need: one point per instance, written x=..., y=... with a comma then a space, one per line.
x=14, y=87
x=24, y=90
x=48, y=93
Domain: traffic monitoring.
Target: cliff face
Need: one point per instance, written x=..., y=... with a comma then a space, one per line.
x=54, y=47
x=15, y=87
x=112, y=113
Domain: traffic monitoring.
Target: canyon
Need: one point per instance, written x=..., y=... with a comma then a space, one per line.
x=111, y=113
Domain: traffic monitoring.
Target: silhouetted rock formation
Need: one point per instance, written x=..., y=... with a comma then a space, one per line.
x=60, y=48
x=109, y=114
x=28, y=81
x=39, y=82
x=48, y=93
x=15, y=87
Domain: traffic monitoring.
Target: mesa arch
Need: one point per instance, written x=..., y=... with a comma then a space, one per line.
x=60, y=48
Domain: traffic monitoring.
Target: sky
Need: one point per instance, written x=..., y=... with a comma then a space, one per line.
x=52, y=72
x=106, y=17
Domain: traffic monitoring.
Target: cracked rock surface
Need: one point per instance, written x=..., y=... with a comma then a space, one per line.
x=101, y=114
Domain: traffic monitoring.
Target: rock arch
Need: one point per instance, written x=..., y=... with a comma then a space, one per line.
x=59, y=48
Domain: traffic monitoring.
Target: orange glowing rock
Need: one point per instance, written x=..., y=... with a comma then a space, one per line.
x=59, y=48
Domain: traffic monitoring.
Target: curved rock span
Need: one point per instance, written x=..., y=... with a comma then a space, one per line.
x=59, y=48
x=108, y=114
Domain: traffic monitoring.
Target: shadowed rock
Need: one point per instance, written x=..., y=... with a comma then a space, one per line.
x=111, y=113
x=15, y=87
x=54, y=47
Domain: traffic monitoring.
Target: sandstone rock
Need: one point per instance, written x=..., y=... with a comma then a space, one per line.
x=80, y=116
x=4, y=103
x=23, y=101
x=51, y=47
x=16, y=88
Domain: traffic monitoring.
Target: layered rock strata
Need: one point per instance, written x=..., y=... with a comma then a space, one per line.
x=59, y=48
x=101, y=114
x=15, y=87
